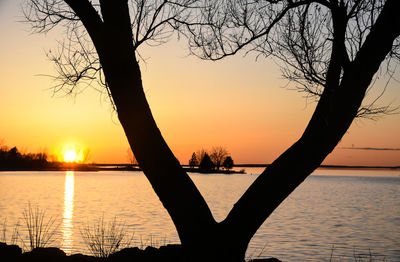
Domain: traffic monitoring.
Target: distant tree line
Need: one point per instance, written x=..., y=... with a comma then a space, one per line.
x=13, y=159
x=214, y=159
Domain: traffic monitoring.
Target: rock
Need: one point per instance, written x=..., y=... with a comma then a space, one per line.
x=127, y=254
x=172, y=253
x=169, y=253
x=151, y=250
x=9, y=252
x=45, y=254
x=48, y=251
x=272, y=259
x=151, y=254
x=82, y=258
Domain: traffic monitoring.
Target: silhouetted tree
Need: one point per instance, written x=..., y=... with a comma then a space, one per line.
x=193, y=162
x=228, y=163
x=38, y=160
x=117, y=28
x=14, y=153
x=331, y=49
x=206, y=163
x=13, y=159
x=101, y=47
x=217, y=155
x=200, y=154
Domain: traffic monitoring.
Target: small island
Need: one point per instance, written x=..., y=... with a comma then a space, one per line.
x=216, y=160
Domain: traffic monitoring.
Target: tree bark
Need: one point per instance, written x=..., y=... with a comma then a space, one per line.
x=175, y=189
x=200, y=234
x=113, y=41
x=332, y=117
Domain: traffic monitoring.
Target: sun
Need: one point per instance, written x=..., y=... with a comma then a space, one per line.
x=70, y=156
x=72, y=153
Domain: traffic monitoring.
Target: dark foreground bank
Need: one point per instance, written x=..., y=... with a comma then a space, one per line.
x=168, y=253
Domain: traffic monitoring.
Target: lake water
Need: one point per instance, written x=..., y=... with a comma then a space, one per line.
x=338, y=214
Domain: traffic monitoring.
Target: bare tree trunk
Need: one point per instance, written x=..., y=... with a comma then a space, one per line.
x=176, y=191
x=333, y=116
x=205, y=239
x=173, y=186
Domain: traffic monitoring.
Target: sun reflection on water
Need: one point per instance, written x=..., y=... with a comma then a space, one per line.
x=67, y=226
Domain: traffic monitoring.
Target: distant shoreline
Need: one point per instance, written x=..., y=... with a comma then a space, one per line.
x=127, y=167
x=328, y=166
x=113, y=167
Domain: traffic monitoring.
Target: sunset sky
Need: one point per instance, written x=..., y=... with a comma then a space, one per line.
x=238, y=103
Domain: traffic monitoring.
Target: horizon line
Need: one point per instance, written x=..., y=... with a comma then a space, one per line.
x=266, y=165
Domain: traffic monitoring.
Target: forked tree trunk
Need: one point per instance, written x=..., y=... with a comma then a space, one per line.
x=203, y=238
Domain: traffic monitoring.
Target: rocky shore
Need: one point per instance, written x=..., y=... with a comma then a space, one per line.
x=168, y=253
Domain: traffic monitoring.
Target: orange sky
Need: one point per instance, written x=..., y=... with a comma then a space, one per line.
x=238, y=103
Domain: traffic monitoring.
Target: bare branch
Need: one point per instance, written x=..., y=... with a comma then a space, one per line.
x=76, y=60
x=45, y=15
x=313, y=41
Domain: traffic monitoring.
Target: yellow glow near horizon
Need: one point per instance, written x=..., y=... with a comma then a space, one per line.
x=70, y=156
x=72, y=153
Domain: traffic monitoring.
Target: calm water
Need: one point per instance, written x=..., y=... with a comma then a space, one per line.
x=345, y=212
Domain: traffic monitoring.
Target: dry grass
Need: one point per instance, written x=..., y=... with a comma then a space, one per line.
x=41, y=230
x=13, y=238
x=104, y=238
x=151, y=241
x=4, y=231
x=357, y=257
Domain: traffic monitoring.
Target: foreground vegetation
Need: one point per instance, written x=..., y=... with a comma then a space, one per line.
x=106, y=240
